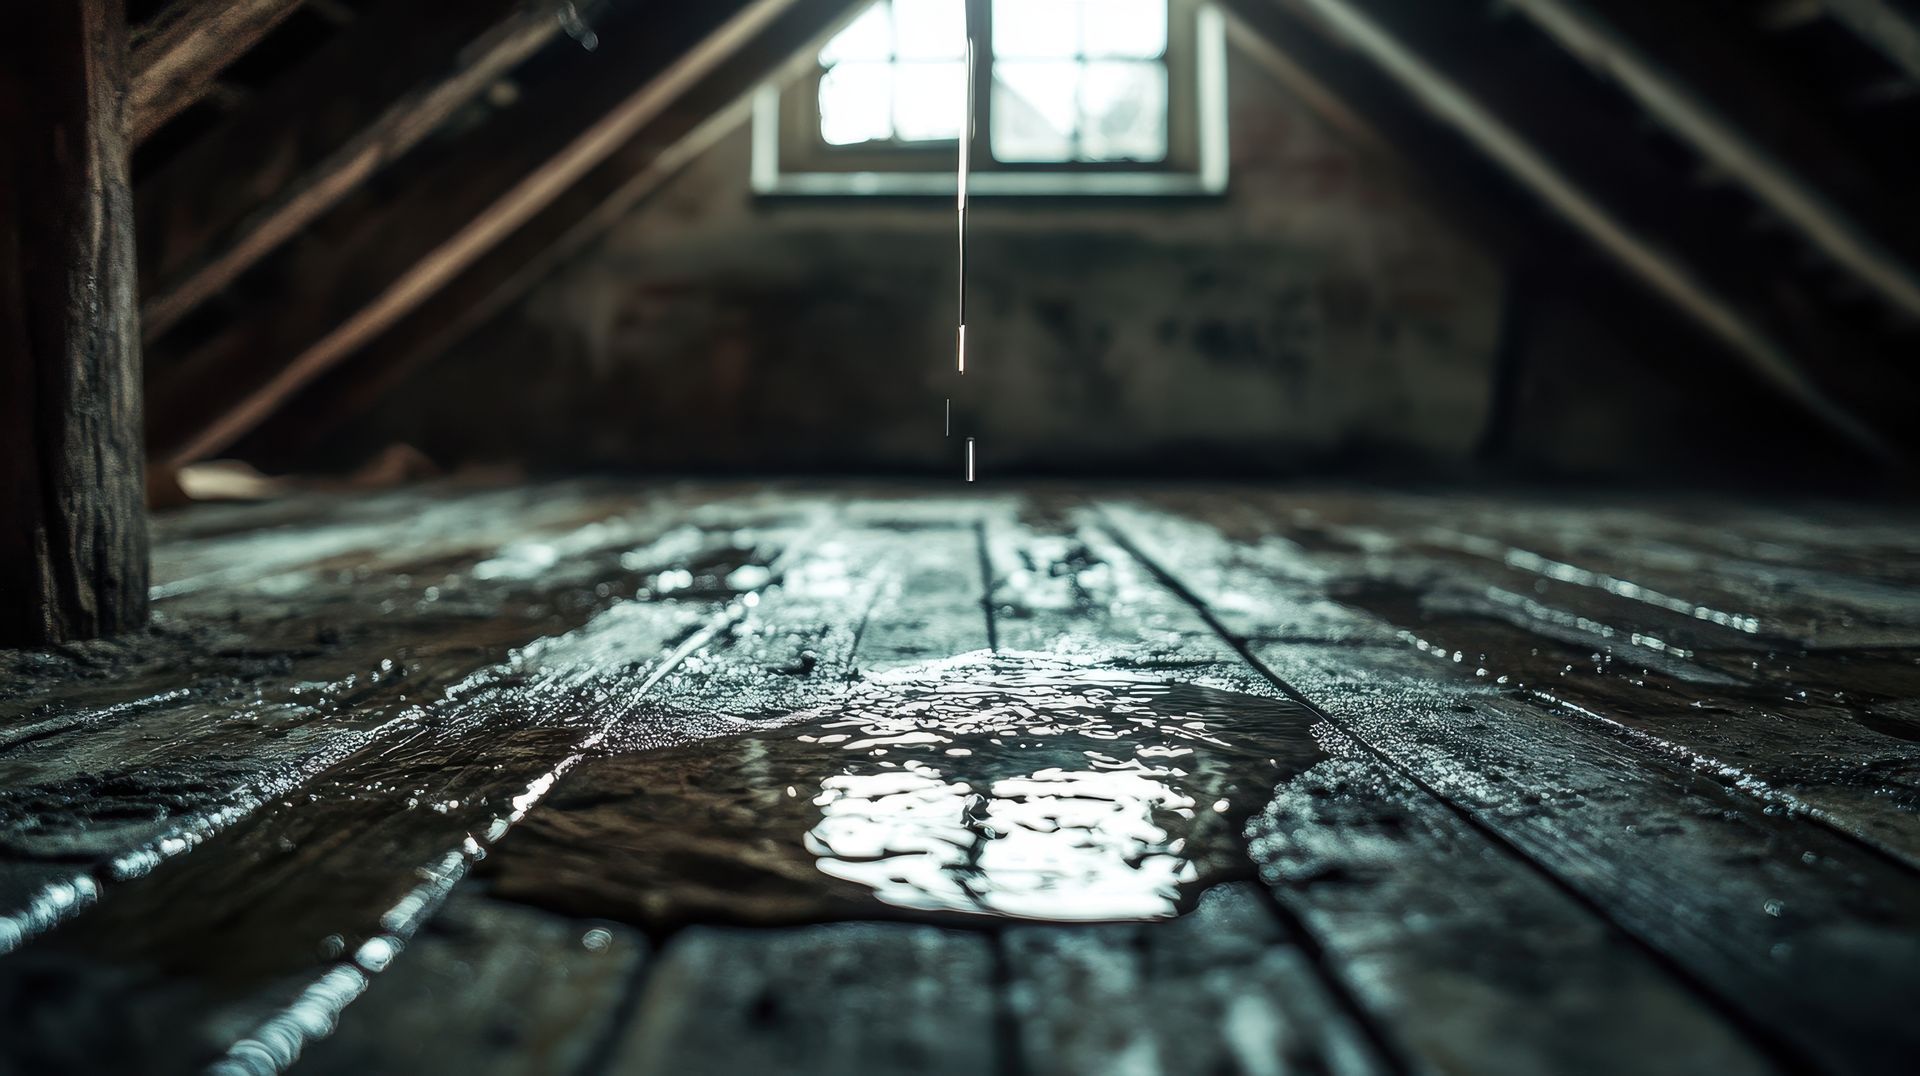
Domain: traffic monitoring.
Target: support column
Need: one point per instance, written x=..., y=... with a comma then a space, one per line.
x=73, y=529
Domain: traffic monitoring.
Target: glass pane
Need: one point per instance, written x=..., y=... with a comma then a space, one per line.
x=930, y=29
x=869, y=37
x=1034, y=109
x=1037, y=29
x=929, y=100
x=1126, y=28
x=856, y=103
x=1123, y=112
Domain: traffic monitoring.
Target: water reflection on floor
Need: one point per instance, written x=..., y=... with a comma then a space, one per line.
x=1002, y=785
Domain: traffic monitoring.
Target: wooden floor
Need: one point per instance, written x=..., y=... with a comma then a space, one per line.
x=586, y=778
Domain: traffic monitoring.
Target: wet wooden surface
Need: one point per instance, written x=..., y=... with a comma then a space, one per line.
x=590, y=777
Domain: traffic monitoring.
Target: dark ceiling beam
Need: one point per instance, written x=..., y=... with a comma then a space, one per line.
x=471, y=302
x=720, y=104
x=315, y=135
x=180, y=51
x=1733, y=115
x=1384, y=34
x=482, y=191
x=1893, y=30
x=73, y=528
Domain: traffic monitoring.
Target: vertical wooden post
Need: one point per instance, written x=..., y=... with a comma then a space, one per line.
x=73, y=531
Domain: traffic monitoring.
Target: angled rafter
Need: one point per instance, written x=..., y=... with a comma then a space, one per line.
x=481, y=293
x=178, y=54
x=1573, y=190
x=677, y=136
x=1895, y=32
x=246, y=188
x=1736, y=119
x=562, y=134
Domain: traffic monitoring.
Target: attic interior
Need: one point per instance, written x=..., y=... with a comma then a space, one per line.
x=1016, y=536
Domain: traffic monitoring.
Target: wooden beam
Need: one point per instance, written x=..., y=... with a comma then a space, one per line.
x=363, y=100
x=475, y=198
x=708, y=113
x=1367, y=28
x=479, y=295
x=1735, y=119
x=73, y=535
x=178, y=54
x=1892, y=30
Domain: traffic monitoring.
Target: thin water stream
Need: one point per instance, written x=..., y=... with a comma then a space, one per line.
x=965, y=163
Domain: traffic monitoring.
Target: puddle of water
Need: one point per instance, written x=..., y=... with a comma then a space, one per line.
x=991, y=785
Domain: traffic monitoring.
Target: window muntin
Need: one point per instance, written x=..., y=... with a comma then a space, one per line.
x=1119, y=97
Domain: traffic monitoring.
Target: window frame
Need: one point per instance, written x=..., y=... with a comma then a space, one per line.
x=791, y=158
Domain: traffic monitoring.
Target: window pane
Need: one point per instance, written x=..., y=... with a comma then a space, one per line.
x=930, y=29
x=856, y=103
x=869, y=37
x=1126, y=28
x=1036, y=28
x=1123, y=112
x=1034, y=108
x=929, y=99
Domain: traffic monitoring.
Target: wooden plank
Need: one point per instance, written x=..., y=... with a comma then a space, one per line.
x=1803, y=933
x=559, y=134
x=349, y=870
x=1399, y=42
x=178, y=55
x=73, y=548
x=1824, y=725
x=364, y=99
x=115, y=799
x=663, y=835
x=1217, y=990
x=1371, y=869
x=490, y=989
x=854, y=997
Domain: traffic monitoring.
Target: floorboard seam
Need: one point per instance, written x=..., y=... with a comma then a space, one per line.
x=1783, y=1053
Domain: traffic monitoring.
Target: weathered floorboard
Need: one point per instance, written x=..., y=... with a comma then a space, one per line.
x=856, y=997
x=488, y=989
x=1806, y=934
x=638, y=706
x=1217, y=990
x=319, y=891
x=1814, y=727
x=1395, y=939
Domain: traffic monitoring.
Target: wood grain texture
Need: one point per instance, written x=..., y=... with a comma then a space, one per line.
x=877, y=998
x=489, y=989
x=364, y=99
x=1700, y=872
x=1455, y=878
x=181, y=52
x=1347, y=849
x=73, y=544
x=178, y=55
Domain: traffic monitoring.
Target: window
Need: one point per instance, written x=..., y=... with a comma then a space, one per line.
x=1071, y=97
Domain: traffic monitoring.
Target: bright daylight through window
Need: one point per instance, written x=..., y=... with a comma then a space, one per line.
x=1071, y=96
x=1072, y=80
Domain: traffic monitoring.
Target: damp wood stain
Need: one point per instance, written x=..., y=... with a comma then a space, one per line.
x=1007, y=786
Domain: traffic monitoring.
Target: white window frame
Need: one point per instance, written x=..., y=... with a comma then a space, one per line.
x=781, y=171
